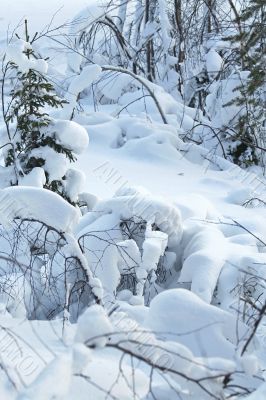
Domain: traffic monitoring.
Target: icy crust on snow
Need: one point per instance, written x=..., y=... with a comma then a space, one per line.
x=15, y=53
x=40, y=205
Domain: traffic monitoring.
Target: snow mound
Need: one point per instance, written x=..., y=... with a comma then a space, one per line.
x=93, y=327
x=71, y=135
x=201, y=264
x=41, y=205
x=49, y=384
x=208, y=330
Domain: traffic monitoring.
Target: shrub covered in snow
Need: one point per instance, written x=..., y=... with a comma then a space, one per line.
x=43, y=271
x=130, y=242
x=38, y=147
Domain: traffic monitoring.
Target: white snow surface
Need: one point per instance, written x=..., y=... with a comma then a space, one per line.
x=71, y=135
x=32, y=203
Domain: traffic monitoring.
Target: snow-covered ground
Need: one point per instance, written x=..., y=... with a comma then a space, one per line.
x=209, y=236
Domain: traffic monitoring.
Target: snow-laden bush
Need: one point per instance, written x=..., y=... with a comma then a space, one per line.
x=37, y=148
x=234, y=270
x=229, y=119
x=173, y=362
x=43, y=271
x=130, y=241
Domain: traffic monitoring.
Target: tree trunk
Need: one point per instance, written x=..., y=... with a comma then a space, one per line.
x=149, y=17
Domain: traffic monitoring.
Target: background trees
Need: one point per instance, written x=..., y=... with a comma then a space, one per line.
x=249, y=129
x=202, y=53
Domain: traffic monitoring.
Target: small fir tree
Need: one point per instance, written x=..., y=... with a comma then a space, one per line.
x=31, y=97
